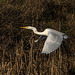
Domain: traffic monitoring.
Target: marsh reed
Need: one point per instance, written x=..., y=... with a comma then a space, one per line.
x=19, y=55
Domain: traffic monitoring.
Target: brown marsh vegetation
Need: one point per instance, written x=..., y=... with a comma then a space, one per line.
x=19, y=55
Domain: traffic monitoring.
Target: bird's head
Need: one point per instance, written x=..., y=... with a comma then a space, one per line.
x=30, y=27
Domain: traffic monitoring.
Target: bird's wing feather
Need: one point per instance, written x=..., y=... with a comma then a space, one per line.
x=52, y=42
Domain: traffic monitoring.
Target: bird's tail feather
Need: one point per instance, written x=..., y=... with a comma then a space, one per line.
x=65, y=36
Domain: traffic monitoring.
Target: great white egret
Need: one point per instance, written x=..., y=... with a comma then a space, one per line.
x=53, y=41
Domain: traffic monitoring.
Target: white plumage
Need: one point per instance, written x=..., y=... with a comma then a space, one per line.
x=53, y=41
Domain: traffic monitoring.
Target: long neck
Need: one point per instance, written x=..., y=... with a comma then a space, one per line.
x=36, y=32
x=39, y=33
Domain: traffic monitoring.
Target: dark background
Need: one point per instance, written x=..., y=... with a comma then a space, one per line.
x=19, y=55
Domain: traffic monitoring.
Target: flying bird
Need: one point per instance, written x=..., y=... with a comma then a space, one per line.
x=53, y=41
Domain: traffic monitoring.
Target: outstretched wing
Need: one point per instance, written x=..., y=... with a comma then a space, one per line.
x=52, y=42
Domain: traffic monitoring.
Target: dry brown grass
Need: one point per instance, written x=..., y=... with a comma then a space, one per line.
x=19, y=55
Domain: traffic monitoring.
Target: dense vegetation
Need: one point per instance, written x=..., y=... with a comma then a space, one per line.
x=18, y=52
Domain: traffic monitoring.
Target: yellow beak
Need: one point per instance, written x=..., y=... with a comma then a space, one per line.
x=23, y=27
